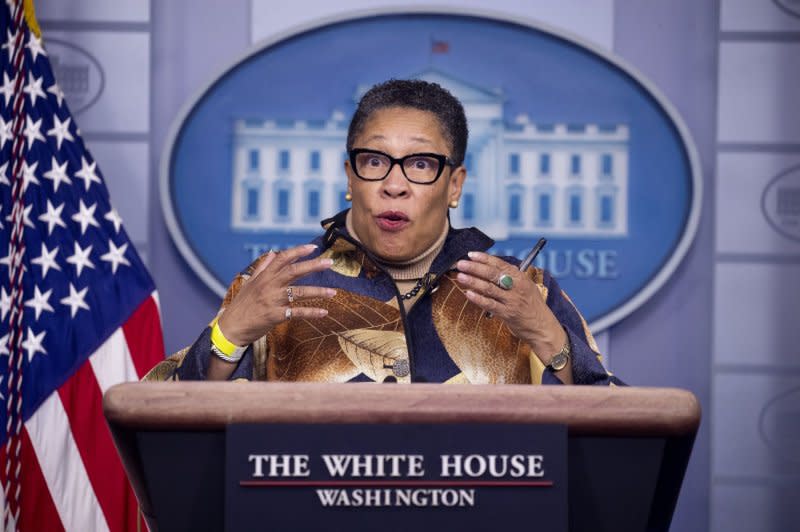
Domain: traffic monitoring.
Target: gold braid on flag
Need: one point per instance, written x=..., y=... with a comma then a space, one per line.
x=30, y=18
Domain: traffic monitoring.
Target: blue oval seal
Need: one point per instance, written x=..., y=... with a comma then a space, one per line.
x=566, y=142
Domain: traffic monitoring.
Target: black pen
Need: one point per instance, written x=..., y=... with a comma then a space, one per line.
x=532, y=255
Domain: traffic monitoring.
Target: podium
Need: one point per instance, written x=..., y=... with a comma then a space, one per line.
x=627, y=447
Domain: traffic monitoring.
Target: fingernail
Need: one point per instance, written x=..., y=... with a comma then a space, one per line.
x=330, y=292
x=323, y=312
x=462, y=277
x=311, y=246
x=472, y=254
x=327, y=262
x=460, y=264
x=469, y=294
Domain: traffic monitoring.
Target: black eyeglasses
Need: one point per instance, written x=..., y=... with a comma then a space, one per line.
x=420, y=168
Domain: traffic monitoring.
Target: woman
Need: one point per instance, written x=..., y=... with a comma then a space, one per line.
x=391, y=292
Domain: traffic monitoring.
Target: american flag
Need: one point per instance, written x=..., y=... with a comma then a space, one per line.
x=78, y=310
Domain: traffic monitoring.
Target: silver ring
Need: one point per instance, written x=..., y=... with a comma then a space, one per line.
x=290, y=295
x=505, y=282
x=288, y=313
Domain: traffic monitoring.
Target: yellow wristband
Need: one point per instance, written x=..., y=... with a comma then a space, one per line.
x=223, y=344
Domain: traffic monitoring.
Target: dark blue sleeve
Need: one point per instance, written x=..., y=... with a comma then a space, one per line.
x=195, y=364
x=586, y=365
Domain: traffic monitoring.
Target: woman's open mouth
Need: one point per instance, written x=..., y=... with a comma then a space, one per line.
x=392, y=220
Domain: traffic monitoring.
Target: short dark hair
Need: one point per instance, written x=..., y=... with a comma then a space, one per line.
x=416, y=94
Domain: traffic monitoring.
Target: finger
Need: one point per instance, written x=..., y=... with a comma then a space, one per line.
x=310, y=292
x=306, y=312
x=263, y=263
x=484, y=271
x=492, y=306
x=482, y=286
x=290, y=255
x=491, y=260
x=296, y=270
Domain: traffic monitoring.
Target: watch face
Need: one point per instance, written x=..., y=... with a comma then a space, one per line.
x=559, y=362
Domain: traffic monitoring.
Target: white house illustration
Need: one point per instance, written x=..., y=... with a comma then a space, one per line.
x=523, y=178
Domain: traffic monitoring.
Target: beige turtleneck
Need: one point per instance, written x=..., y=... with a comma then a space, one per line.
x=407, y=273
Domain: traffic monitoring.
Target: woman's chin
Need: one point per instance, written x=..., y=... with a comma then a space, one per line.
x=393, y=254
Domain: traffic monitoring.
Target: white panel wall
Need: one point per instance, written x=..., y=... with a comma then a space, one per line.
x=758, y=87
x=125, y=168
x=124, y=58
x=592, y=21
x=758, y=15
x=742, y=224
x=755, y=414
x=94, y=10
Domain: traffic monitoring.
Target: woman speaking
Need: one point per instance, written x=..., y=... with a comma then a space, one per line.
x=391, y=292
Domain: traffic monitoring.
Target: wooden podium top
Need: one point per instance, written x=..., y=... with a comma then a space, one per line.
x=590, y=410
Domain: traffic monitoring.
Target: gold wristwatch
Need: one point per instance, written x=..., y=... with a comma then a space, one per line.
x=560, y=360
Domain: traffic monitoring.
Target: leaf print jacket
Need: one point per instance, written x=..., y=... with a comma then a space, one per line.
x=368, y=335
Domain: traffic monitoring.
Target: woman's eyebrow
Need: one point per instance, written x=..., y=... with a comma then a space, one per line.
x=424, y=140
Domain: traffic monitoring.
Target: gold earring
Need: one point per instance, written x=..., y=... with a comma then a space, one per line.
x=454, y=204
x=348, y=197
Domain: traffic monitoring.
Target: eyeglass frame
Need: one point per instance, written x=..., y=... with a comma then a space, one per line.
x=443, y=160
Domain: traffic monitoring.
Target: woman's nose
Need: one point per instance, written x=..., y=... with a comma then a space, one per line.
x=395, y=184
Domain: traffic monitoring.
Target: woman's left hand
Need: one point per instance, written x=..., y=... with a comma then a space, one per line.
x=521, y=307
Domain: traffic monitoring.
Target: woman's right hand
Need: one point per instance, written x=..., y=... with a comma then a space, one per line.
x=262, y=300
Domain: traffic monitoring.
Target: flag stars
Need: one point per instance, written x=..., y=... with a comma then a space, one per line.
x=34, y=88
x=4, y=345
x=80, y=259
x=114, y=217
x=47, y=260
x=10, y=44
x=32, y=133
x=33, y=344
x=6, y=134
x=115, y=255
x=75, y=300
x=26, y=218
x=56, y=91
x=29, y=175
x=7, y=88
x=60, y=131
x=4, y=173
x=57, y=174
x=40, y=302
x=87, y=173
x=35, y=46
x=5, y=303
x=52, y=217
x=85, y=216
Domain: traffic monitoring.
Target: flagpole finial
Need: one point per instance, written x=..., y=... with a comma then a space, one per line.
x=30, y=17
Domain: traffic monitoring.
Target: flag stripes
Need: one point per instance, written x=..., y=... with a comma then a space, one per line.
x=72, y=446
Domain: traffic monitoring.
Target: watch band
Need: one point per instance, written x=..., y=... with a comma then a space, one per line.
x=560, y=360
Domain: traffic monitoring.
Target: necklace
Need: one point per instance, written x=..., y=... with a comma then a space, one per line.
x=414, y=291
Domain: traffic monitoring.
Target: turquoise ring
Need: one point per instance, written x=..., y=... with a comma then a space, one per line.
x=505, y=282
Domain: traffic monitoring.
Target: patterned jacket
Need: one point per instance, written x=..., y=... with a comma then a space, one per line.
x=369, y=336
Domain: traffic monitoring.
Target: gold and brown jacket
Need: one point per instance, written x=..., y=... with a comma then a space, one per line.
x=368, y=335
